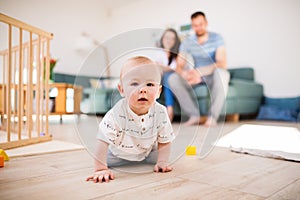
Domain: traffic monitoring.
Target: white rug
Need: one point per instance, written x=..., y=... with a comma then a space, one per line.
x=267, y=141
x=53, y=146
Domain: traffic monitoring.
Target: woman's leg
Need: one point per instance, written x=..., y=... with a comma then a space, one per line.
x=169, y=98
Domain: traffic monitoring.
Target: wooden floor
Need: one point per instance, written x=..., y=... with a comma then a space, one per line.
x=220, y=175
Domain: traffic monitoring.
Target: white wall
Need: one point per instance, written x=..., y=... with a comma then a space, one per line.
x=66, y=19
x=262, y=34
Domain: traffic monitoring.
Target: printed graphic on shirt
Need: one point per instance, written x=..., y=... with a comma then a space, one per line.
x=131, y=136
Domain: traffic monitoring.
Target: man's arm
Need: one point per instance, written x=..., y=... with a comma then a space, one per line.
x=221, y=62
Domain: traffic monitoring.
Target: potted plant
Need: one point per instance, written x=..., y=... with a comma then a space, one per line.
x=52, y=65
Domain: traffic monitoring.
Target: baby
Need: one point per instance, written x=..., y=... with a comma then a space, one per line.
x=137, y=128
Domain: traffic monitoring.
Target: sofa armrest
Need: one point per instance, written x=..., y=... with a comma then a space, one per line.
x=246, y=73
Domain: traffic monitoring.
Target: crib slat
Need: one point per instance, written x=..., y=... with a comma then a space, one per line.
x=47, y=84
x=38, y=79
x=3, y=91
x=42, y=87
x=14, y=90
x=30, y=87
x=8, y=86
x=20, y=93
x=27, y=93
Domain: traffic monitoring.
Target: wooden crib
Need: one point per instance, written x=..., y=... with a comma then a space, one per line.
x=24, y=88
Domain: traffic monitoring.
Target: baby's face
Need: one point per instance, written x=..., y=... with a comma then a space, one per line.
x=140, y=85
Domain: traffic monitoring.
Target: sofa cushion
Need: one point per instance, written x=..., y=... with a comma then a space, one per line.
x=292, y=103
x=201, y=91
x=246, y=88
x=232, y=93
x=248, y=105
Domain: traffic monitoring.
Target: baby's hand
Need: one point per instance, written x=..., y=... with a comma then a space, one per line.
x=101, y=176
x=162, y=167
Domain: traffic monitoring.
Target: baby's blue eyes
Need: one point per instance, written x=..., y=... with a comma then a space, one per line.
x=150, y=84
x=137, y=84
x=134, y=84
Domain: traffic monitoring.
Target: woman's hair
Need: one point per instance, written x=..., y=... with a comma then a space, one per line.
x=175, y=49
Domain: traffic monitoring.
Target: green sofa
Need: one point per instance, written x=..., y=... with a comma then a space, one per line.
x=244, y=94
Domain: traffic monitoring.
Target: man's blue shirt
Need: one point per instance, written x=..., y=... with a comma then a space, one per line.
x=203, y=54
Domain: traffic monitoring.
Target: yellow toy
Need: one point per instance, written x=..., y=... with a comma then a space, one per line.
x=2, y=153
x=1, y=161
x=190, y=150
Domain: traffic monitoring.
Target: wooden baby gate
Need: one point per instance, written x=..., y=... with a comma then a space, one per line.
x=24, y=88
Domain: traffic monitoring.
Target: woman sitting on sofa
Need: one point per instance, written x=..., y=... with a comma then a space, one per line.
x=169, y=43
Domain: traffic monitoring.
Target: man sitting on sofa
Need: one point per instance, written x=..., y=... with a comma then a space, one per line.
x=208, y=52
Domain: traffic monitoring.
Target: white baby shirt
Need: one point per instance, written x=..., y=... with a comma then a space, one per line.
x=132, y=137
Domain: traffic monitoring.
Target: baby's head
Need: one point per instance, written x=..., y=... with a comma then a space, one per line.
x=140, y=83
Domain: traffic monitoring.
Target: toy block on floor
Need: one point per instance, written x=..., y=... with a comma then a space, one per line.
x=2, y=153
x=1, y=161
x=190, y=150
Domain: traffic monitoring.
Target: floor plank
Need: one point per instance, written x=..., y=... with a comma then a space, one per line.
x=178, y=188
x=35, y=166
x=254, y=175
x=72, y=185
x=272, y=180
x=291, y=192
x=221, y=174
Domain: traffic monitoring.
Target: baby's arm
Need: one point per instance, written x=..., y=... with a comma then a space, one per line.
x=163, y=158
x=101, y=173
